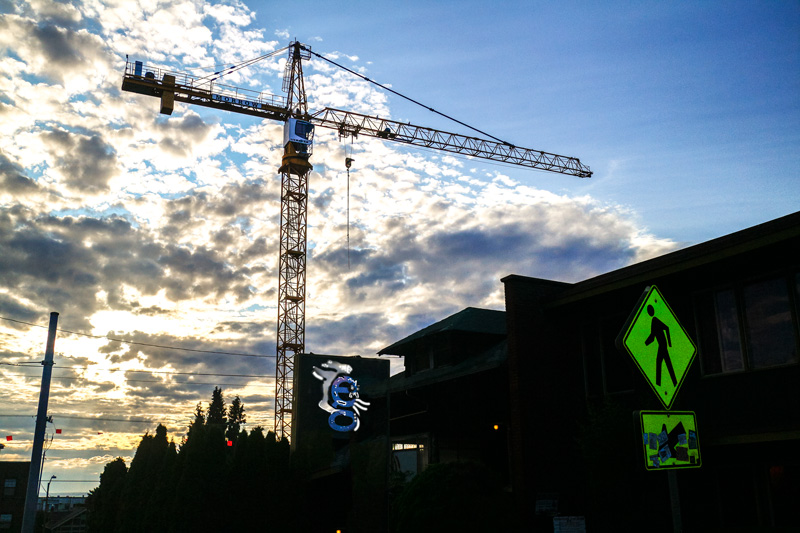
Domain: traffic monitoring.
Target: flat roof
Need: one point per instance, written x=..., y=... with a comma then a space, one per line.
x=471, y=319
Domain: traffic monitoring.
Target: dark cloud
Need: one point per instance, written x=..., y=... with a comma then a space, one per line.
x=9, y=307
x=181, y=133
x=58, y=45
x=13, y=178
x=63, y=263
x=339, y=336
x=53, y=42
x=86, y=163
x=159, y=350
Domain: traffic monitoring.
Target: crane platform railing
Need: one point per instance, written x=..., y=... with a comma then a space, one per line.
x=202, y=90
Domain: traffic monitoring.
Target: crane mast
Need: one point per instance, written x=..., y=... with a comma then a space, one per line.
x=295, y=167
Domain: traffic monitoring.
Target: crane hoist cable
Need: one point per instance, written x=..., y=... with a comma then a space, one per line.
x=384, y=87
x=348, y=162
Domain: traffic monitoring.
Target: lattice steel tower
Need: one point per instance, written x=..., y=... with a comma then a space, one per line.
x=291, y=338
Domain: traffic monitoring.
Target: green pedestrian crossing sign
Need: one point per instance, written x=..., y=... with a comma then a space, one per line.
x=658, y=345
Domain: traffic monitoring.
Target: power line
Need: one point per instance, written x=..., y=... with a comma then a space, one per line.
x=165, y=347
x=169, y=372
x=68, y=378
x=165, y=372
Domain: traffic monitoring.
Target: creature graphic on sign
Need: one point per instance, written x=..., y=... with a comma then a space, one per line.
x=660, y=333
x=340, y=396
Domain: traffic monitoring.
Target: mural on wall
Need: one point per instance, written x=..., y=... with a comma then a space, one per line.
x=340, y=396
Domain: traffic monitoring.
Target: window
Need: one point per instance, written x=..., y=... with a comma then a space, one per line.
x=768, y=323
x=9, y=487
x=747, y=327
x=730, y=346
x=410, y=456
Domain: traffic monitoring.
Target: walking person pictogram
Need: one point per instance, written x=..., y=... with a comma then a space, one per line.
x=659, y=332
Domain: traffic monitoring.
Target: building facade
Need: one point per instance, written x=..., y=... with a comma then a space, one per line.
x=14, y=475
x=567, y=396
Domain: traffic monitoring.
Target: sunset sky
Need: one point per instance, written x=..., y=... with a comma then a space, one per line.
x=153, y=235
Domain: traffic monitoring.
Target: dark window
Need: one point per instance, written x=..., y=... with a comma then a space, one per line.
x=730, y=342
x=9, y=487
x=747, y=327
x=422, y=359
x=768, y=319
x=707, y=333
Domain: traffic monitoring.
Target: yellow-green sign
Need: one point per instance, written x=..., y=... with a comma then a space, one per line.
x=669, y=439
x=658, y=344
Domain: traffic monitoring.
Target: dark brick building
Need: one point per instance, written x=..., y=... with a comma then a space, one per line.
x=14, y=476
x=563, y=396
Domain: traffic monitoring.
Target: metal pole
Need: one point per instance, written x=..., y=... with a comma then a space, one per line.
x=675, y=502
x=47, y=500
x=32, y=493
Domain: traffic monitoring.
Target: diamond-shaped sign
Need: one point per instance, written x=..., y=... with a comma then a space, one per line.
x=658, y=344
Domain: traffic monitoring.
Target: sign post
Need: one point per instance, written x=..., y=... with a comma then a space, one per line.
x=663, y=351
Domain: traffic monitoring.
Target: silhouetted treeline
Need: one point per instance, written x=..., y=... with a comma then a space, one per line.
x=203, y=485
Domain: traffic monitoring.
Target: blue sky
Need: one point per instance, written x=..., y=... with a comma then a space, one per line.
x=142, y=229
x=688, y=112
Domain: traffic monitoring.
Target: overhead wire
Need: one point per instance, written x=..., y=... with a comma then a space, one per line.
x=166, y=372
x=136, y=343
x=71, y=378
x=239, y=66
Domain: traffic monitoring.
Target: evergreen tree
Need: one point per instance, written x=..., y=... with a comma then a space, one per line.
x=199, y=417
x=236, y=418
x=216, y=409
x=104, y=502
x=194, y=487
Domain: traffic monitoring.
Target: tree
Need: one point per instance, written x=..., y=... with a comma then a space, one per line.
x=216, y=409
x=236, y=418
x=199, y=417
x=105, y=502
x=195, y=487
x=148, y=483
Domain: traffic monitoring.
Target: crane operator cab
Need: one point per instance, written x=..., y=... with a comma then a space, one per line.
x=301, y=134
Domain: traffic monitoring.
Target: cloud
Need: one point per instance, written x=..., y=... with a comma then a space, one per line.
x=162, y=232
x=13, y=180
x=85, y=163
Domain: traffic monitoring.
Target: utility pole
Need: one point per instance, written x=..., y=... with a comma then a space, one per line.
x=32, y=493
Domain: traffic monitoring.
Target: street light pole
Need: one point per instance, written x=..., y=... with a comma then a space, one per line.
x=47, y=499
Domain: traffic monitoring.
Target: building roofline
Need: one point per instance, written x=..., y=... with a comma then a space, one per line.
x=746, y=240
x=469, y=319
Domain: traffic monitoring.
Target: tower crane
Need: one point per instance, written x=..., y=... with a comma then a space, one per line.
x=298, y=135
